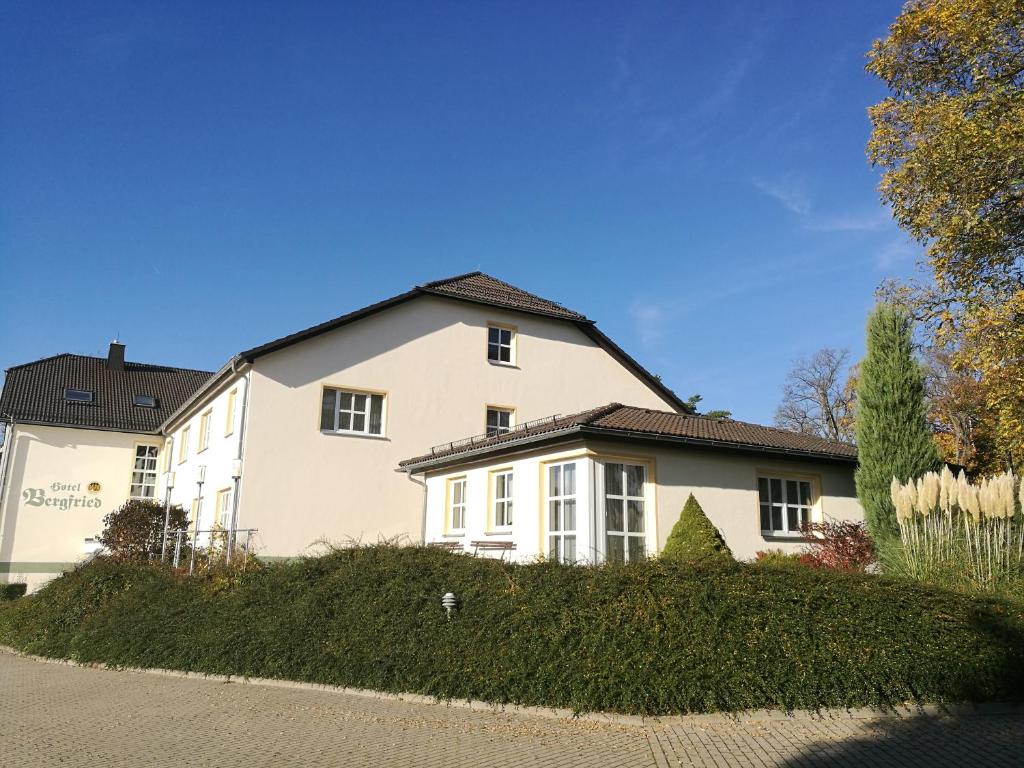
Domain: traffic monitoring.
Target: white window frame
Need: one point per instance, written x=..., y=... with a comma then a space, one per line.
x=804, y=511
x=148, y=471
x=352, y=411
x=183, y=444
x=502, y=504
x=204, y=430
x=626, y=534
x=497, y=345
x=557, y=532
x=454, y=507
x=224, y=508
x=229, y=415
x=498, y=428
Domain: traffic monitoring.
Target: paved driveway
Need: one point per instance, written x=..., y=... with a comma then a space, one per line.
x=57, y=715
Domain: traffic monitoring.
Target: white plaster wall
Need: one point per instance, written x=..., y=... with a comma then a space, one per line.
x=724, y=483
x=36, y=542
x=429, y=356
x=218, y=457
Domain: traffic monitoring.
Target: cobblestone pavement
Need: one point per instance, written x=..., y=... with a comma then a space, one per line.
x=58, y=715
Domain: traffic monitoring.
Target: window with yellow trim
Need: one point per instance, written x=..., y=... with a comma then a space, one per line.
x=502, y=498
x=229, y=416
x=457, y=505
x=204, y=430
x=183, y=444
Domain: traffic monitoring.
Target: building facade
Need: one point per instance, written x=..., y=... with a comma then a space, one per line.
x=307, y=439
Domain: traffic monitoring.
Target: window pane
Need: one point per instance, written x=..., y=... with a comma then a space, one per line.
x=791, y=494
x=505, y=354
x=637, y=549
x=327, y=409
x=504, y=337
x=499, y=486
x=554, y=481
x=344, y=420
x=766, y=517
x=762, y=490
x=346, y=400
x=459, y=492
x=358, y=422
x=613, y=479
x=613, y=514
x=570, y=479
x=508, y=512
x=554, y=524
x=776, y=517
x=615, y=546
x=803, y=516
x=635, y=516
x=805, y=494
x=508, y=485
x=569, y=515
x=569, y=549
x=492, y=351
x=360, y=403
x=503, y=419
x=492, y=336
x=634, y=480
x=776, y=490
x=553, y=548
x=793, y=521
x=376, y=414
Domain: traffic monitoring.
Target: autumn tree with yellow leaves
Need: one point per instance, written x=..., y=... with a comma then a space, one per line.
x=950, y=142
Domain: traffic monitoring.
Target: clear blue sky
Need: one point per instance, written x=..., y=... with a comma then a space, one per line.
x=198, y=178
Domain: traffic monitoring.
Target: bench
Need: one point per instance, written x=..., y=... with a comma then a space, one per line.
x=451, y=546
x=493, y=546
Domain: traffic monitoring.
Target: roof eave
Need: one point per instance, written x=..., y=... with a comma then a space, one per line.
x=226, y=371
x=36, y=422
x=422, y=464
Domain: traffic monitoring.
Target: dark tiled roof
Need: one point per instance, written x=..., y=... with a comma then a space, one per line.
x=34, y=392
x=621, y=421
x=478, y=287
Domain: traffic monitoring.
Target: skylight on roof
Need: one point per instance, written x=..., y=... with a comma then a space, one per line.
x=144, y=401
x=78, y=395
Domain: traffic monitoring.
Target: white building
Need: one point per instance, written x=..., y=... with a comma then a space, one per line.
x=304, y=438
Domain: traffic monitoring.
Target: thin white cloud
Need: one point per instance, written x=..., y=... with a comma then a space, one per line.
x=788, y=191
x=896, y=252
x=869, y=222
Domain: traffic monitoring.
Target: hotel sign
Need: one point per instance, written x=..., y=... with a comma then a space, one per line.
x=62, y=496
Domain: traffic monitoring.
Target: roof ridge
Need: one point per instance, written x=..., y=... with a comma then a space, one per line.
x=452, y=279
x=97, y=358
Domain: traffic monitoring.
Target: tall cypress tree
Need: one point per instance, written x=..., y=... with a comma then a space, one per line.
x=893, y=438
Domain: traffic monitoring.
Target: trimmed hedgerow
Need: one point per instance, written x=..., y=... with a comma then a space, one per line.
x=651, y=638
x=12, y=591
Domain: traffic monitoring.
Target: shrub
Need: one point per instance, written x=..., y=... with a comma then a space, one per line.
x=843, y=546
x=650, y=638
x=694, y=538
x=12, y=591
x=135, y=529
x=776, y=558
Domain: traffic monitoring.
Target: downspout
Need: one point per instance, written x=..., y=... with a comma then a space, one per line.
x=5, y=461
x=236, y=470
x=423, y=512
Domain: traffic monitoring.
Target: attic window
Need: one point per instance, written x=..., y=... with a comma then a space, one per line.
x=78, y=395
x=144, y=401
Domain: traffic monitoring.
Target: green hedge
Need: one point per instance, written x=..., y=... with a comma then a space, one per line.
x=12, y=591
x=651, y=638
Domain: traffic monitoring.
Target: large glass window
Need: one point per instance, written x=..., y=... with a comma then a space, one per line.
x=562, y=512
x=785, y=505
x=500, y=344
x=624, y=512
x=144, y=472
x=457, y=504
x=499, y=421
x=503, y=499
x=358, y=412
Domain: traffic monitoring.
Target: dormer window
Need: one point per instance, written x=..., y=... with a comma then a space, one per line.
x=144, y=401
x=78, y=395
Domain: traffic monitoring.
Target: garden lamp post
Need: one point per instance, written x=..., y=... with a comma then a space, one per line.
x=200, y=479
x=169, y=477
